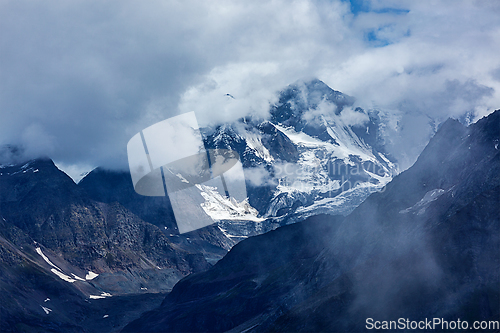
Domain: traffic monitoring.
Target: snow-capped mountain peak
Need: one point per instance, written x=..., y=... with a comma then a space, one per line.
x=316, y=151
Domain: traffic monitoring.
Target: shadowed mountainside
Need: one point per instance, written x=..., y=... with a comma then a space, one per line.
x=427, y=246
x=57, y=243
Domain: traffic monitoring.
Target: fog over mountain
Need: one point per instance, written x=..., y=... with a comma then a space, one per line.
x=427, y=247
x=332, y=161
x=79, y=79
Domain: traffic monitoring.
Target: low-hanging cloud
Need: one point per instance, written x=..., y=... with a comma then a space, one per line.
x=259, y=176
x=80, y=78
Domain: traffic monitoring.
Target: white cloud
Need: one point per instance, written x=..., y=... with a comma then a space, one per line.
x=91, y=74
x=259, y=176
x=351, y=117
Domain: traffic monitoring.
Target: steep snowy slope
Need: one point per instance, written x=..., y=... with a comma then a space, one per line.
x=315, y=154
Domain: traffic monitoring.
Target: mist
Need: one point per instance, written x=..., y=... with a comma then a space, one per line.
x=80, y=79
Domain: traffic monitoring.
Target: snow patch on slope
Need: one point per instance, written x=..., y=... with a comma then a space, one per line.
x=228, y=235
x=77, y=277
x=39, y=251
x=103, y=295
x=219, y=207
x=254, y=142
x=62, y=276
x=422, y=205
x=46, y=310
x=56, y=270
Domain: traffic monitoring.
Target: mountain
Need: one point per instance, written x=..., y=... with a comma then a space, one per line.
x=95, y=255
x=111, y=186
x=99, y=241
x=426, y=246
x=247, y=285
x=315, y=154
x=61, y=251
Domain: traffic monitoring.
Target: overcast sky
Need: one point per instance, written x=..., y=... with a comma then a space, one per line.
x=79, y=78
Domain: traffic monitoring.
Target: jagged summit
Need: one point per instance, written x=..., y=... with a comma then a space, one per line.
x=314, y=152
x=304, y=95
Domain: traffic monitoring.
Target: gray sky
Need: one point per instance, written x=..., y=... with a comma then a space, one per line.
x=79, y=78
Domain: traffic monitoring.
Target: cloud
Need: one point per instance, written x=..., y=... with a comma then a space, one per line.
x=351, y=117
x=80, y=78
x=259, y=176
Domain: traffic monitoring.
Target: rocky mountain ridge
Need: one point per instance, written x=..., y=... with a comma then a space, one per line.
x=99, y=241
x=310, y=157
x=425, y=247
x=315, y=154
x=53, y=233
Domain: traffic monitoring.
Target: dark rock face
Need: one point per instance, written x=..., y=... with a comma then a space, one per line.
x=46, y=205
x=248, y=280
x=278, y=144
x=52, y=234
x=26, y=289
x=428, y=246
x=114, y=186
x=431, y=252
x=110, y=187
